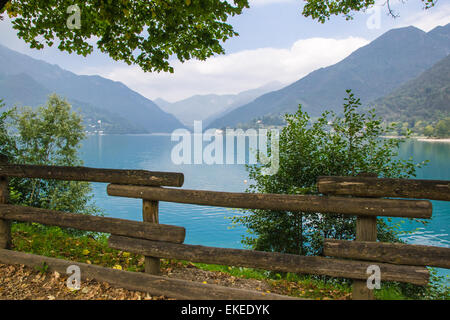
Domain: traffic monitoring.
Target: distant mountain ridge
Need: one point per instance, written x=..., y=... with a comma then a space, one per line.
x=371, y=72
x=425, y=98
x=22, y=90
x=29, y=81
x=211, y=106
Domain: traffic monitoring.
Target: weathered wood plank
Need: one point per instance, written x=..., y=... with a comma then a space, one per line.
x=150, y=215
x=5, y=225
x=269, y=260
x=307, y=203
x=159, y=232
x=366, y=230
x=154, y=285
x=135, y=177
x=385, y=187
x=396, y=253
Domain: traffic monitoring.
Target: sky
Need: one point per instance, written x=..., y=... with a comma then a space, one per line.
x=275, y=43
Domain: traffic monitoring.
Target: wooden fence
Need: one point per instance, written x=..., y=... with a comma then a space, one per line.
x=347, y=259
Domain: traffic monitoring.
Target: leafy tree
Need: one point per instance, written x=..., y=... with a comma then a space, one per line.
x=142, y=32
x=6, y=141
x=404, y=128
x=50, y=135
x=428, y=131
x=443, y=128
x=332, y=145
x=322, y=10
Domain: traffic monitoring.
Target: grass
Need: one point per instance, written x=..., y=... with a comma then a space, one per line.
x=57, y=243
x=92, y=248
x=287, y=283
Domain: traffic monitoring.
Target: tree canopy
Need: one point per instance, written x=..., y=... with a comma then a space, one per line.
x=146, y=32
x=142, y=32
x=322, y=10
x=50, y=135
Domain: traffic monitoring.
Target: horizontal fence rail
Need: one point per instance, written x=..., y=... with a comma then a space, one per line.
x=396, y=253
x=119, y=176
x=269, y=260
x=385, y=187
x=280, y=202
x=122, y=227
x=155, y=285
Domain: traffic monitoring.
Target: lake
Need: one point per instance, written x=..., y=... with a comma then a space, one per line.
x=211, y=226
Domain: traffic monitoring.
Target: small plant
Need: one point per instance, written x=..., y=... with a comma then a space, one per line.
x=43, y=268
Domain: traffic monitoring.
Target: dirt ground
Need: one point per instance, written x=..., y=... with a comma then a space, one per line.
x=18, y=282
x=190, y=272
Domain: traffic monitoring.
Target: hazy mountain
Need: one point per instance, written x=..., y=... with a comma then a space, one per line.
x=426, y=97
x=90, y=93
x=208, y=107
x=441, y=33
x=22, y=90
x=371, y=72
x=162, y=103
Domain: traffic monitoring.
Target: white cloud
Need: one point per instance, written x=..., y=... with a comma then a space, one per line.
x=235, y=72
x=431, y=18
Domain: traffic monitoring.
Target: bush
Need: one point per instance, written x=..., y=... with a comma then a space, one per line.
x=332, y=145
x=50, y=135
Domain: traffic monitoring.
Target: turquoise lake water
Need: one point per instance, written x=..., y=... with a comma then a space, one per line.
x=210, y=226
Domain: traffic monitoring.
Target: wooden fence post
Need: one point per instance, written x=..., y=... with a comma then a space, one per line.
x=366, y=230
x=5, y=225
x=150, y=214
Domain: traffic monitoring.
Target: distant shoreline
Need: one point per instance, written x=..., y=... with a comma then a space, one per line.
x=447, y=140
x=422, y=139
x=128, y=134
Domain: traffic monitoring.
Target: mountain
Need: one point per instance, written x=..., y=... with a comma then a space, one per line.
x=209, y=107
x=441, y=33
x=22, y=90
x=425, y=98
x=32, y=80
x=162, y=103
x=371, y=72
